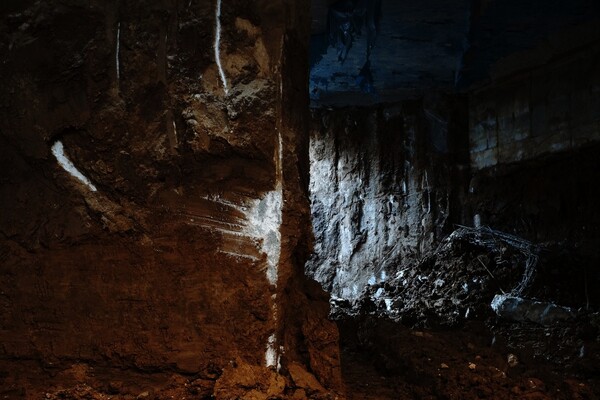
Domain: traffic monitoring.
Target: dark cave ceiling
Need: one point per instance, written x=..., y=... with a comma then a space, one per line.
x=447, y=45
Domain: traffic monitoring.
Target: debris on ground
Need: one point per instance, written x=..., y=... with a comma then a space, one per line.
x=522, y=292
x=383, y=359
x=471, y=274
x=522, y=310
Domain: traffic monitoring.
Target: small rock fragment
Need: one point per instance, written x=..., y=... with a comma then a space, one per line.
x=472, y=366
x=304, y=379
x=513, y=361
x=498, y=373
x=299, y=394
x=422, y=334
x=520, y=309
x=444, y=366
x=535, y=383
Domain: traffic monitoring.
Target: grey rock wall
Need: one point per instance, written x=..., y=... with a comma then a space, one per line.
x=377, y=201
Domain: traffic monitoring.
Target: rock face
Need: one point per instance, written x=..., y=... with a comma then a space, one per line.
x=418, y=48
x=168, y=229
x=536, y=113
x=377, y=200
x=387, y=185
x=534, y=152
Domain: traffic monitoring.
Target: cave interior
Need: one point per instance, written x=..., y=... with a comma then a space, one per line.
x=299, y=199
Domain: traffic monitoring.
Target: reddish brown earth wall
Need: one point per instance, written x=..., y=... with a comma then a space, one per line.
x=163, y=268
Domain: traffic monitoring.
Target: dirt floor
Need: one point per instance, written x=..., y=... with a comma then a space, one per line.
x=382, y=359
x=431, y=331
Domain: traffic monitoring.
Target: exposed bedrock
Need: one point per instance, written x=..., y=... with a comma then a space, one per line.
x=380, y=191
x=389, y=182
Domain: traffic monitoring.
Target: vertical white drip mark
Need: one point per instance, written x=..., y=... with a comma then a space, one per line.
x=175, y=132
x=428, y=193
x=59, y=152
x=117, y=49
x=272, y=356
x=272, y=271
x=218, y=47
x=165, y=61
x=280, y=158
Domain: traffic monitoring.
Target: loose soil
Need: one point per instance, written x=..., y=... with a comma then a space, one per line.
x=382, y=359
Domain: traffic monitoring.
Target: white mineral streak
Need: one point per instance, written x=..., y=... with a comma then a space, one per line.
x=428, y=193
x=59, y=152
x=175, y=132
x=272, y=247
x=218, y=47
x=117, y=50
x=264, y=220
x=271, y=353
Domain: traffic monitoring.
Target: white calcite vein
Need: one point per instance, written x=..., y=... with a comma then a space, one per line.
x=217, y=47
x=59, y=152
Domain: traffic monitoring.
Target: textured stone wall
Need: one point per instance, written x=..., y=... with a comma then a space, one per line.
x=548, y=199
x=380, y=192
x=185, y=250
x=534, y=151
x=552, y=108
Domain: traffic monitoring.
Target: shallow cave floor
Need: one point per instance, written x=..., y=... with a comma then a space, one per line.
x=385, y=360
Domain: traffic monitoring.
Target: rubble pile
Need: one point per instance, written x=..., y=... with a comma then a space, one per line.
x=473, y=273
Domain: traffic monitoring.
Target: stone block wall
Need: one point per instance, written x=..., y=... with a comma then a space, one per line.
x=552, y=108
x=534, y=147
